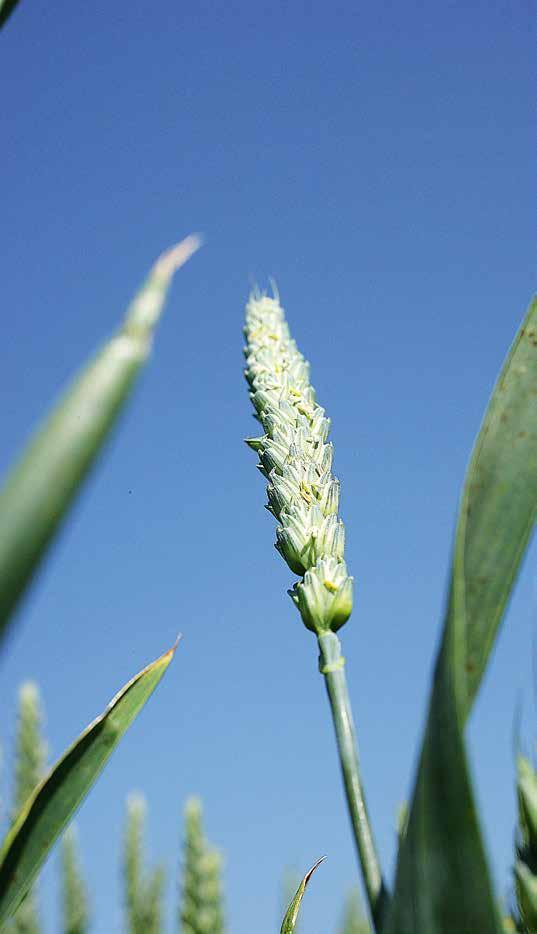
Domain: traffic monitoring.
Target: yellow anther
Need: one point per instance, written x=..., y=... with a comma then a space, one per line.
x=305, y=492
x=330, y=586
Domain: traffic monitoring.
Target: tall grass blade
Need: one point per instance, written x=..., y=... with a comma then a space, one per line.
x=499, y=506
x=42, y=485
x=56, y=799
x=442, y=882
x=291, y=916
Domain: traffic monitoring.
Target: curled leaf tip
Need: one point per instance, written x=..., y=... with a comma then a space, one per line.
x=147, y=306
x=171, y=651
x=315, y=866
x=176, y=256
x=289, y=922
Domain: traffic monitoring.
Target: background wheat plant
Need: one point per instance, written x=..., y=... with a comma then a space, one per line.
x=194, y=885
x=33, y=502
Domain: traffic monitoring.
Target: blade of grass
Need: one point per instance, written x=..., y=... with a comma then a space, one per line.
x=499, y=507
x=291, y=915
x=42, y=485
x=442, y=882
x=55, y=800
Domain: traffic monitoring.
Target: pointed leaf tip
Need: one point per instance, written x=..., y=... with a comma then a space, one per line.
x=289, y=922
x=176, y=256
x=41, y=486
x=442, y=851
x=52, y=804
x=171, y=651
x=310, y=872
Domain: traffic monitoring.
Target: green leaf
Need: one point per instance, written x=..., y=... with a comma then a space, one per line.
x=442, y=882
x=6, y=9
x=56, y=799
x=499, y=507
x=291, y=915
x=42, y=485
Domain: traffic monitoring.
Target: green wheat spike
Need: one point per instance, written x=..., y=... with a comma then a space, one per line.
x=75, y=915
x=143, y=893
x=353, y=921
x=296, y=459
x=30, y=756
x=132, y=860
x=201, y=896
x=154, y=894
x=303, y=496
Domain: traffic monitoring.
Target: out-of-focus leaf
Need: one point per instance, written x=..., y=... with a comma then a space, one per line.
x=42, y=485
x=353, y=921
x=525, y=868
x=56, y=799
x=291, y=915
x=527, y=803
x=6, y=9
x=442, y=882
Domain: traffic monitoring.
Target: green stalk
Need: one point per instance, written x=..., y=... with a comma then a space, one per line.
x=303, y=496
x=332, y=666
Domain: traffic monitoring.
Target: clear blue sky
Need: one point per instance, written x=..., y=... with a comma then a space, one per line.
x=379, y=161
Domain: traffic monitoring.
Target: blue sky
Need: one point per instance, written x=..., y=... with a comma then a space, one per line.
x=378, y=161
